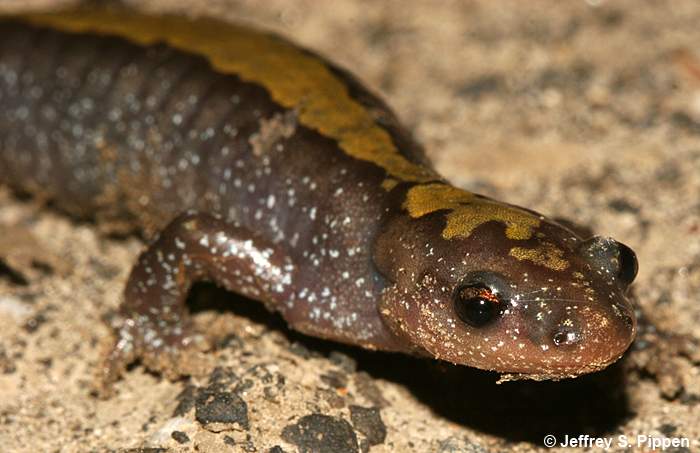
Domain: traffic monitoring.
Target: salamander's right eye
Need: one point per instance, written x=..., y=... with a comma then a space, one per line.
x=476, y=305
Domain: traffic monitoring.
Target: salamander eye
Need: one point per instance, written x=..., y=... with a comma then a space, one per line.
x=627, y=264
x=476, y=305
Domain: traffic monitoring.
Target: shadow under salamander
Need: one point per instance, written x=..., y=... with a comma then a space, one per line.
x=594, y=404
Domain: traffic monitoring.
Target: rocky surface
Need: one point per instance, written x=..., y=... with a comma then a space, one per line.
x=588, y=111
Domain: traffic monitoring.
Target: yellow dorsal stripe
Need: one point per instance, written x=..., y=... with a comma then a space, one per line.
x=467, y=211
x=295, y=79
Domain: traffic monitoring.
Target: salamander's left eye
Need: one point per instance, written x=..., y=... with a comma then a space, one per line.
x=627, y=263
x=476, y=305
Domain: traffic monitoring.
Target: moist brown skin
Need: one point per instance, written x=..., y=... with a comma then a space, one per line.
x=291, y=185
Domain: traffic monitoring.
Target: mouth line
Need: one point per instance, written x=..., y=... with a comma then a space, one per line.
x=554, y=375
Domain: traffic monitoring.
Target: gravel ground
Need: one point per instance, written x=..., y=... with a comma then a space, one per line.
x=589, y=111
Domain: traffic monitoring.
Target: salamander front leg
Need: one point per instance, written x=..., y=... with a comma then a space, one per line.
x=153, y=323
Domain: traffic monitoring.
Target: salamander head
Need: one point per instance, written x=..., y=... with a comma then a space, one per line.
x=490, y=285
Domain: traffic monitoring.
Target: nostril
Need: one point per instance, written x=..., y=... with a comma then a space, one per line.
x=565, y=337
x=626, y=317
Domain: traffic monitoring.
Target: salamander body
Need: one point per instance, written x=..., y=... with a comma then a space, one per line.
x=247, y=161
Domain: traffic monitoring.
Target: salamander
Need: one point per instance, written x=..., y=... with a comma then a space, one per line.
x=252, y=163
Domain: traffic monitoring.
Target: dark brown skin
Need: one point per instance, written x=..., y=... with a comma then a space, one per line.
x=294, y=186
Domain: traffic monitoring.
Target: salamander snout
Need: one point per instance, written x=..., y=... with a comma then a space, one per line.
x=571, y=331
x=611, y=259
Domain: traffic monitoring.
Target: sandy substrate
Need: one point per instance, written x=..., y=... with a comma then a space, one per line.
x=588, y=111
